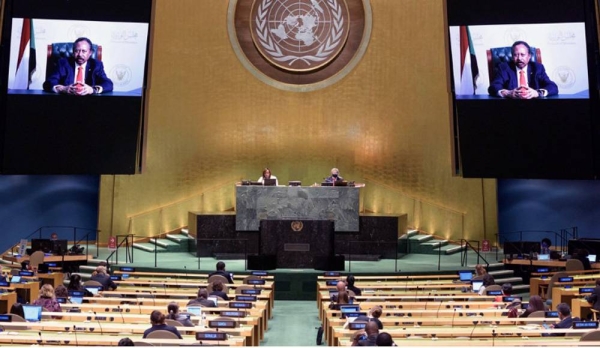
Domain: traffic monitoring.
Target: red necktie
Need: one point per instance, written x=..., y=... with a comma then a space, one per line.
x=522, y=81
x=79, y=79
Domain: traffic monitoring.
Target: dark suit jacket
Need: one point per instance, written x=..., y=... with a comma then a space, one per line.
x=65, y=75
x=105, y=280
x=506, y=78
x=594, y=297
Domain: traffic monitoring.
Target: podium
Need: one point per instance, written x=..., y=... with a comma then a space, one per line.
x=297, y=243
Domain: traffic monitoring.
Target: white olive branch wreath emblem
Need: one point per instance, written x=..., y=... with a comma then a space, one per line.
x=325, y=50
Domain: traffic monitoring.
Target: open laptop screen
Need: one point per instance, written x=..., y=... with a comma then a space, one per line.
x=465, y=276
x=197, y=311
x=32, y=313
x=592, y=258
x=476, y=285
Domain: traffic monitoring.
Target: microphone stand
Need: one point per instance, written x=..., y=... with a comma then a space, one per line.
x=121, y=312
x=75, y=332
x=475, y=322
x=99, y=326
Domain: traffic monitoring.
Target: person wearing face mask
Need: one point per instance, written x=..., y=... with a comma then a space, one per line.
x=521, y=78
x=335, y=176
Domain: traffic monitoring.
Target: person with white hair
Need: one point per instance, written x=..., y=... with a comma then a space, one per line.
x=103, y=278
x=335, y=176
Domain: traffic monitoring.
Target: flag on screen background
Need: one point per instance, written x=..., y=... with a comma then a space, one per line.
x=469, y=72
x=26, y=60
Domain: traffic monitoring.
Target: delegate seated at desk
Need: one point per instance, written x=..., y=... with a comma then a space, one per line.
x=266, y=174
x=80, y=74
x=521, y=78
x=335, y=176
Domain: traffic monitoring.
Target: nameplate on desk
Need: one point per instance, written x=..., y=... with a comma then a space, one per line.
x=331, y=282
x=26, y=273
x=233, y=314
x=551, y=314
x=229, y=324
x=251, y=291
x=127, y=269
x=565, y=279
x=357, y=326
x=354, y=314
x=246, y=298
x=331, y=274
x=211, y=336
x=51, y=264
x=240, y=305
x=543, y=270
x=260, y=273
x=586, y=290
x=511, y=298
x=494, y=293
x=115, y=277
x=585, y=324
x=5, y=318
x=255, y=282
x=4, y=284
x=76, y=293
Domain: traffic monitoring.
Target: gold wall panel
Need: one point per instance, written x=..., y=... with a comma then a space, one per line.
x=211, y=123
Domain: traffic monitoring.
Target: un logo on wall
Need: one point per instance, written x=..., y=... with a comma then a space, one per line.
x=300, y=35
x=299, y=45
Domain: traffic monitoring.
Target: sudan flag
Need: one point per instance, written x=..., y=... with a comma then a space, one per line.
x=469, y=72
x=26, y=60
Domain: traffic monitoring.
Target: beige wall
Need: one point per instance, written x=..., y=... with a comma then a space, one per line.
x=212, y=123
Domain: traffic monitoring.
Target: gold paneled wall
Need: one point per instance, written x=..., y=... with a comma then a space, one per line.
x=211, y=123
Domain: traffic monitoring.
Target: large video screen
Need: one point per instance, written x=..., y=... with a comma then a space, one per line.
x=524, y=86
x=73, y=79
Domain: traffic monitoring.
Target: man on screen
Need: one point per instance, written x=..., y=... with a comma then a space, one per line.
x=521, y=78
x=79, y=74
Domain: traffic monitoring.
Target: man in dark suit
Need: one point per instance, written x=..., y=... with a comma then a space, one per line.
x=79, y=74
x=566, y=321
x=221, y=271
x=521, y=78
x=595, y=296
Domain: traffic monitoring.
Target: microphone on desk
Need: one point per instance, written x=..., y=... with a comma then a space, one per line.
x=99, y=326
x=437, y=313
x=453, y=315
x=427, y=301
x=494, y=338
x=140, y=303
x=475, y=322
x=75, y=332
x=40, y=340
x=121, y=312
x=165, y=289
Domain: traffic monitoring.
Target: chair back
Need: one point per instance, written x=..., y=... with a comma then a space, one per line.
x=215, y=277
x=162, y=334
x=494, y=287
x=173, y=322
x=209, y=288
x=36, y=259
x=574, y=265
x=92, y=283
x=59, y=50
x=499, y=55
x=591, y=336
x=553, y=280
x=18, y=319
x=538, y=314
x=142, y=343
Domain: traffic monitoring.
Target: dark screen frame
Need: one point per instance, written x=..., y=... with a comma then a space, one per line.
x=545, y=138
x=50, y=134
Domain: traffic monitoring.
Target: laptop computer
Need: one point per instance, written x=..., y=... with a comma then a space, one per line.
x=269, y=182
x=32, y=313
x=197, y=311
x=465, y=276
x=544, y=257
x=76, y=300
x=592, y=258
x=214, y=299
x=15, y=279
x=93, y=289
x=476, y=284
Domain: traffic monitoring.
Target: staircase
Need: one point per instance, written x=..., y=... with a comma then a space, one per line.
x=418, y=243
x=169, y=243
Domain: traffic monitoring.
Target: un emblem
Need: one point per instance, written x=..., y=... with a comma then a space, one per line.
x=299, y=45
x=300, y=35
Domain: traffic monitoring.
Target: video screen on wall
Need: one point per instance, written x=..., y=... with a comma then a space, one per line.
x=524, y=86
x=73, y=80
